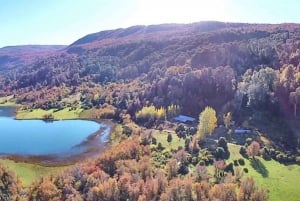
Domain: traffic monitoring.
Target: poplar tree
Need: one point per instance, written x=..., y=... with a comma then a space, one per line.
x=207, y=122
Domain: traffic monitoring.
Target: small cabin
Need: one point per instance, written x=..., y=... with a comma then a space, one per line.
x=184, y=119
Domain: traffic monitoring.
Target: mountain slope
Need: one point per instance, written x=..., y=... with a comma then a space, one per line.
x=13, y=56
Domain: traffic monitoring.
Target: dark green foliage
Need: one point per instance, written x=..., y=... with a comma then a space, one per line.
x=235, y=163
x=246, y=170
x=243, y=151
x=169, y=137
x=160, y=147
x=154, y=141
x=229, y=168
x=222, y=142
x=241, y=161
x=220, y=153
x=127, y=130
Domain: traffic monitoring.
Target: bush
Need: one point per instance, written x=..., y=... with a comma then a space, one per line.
x=248, y=141
x=195, y=160
x=154, y=140
x=265, y=154
x=160, y=147
x=241, y=161
x=222, y=142
x=243, y=152
x=202, y=163
x=183, y=169
x=235, y=163
x=229, y=168
x=127, y=130
x=281, y=157
x=220, y=153
x=246, y=170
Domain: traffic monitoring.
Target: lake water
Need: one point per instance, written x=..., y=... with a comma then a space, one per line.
x=37, y=137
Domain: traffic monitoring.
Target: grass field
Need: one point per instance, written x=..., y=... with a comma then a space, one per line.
x=66, y=113
x=161, y=136
x=281, y=181
x=27, y=173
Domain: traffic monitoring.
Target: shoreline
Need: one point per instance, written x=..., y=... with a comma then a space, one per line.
x=92, y=146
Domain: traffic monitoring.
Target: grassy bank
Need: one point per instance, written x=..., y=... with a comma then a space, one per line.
x=29, y=172
x=66, y=113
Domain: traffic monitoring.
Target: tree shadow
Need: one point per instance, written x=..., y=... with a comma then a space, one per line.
x=259, y=167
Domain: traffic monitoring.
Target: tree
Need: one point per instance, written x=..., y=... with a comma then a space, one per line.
x=207, y=122
x=227, y=119
x=10, y=186
x=253, y=149
x=295, y=99
x=169, y=138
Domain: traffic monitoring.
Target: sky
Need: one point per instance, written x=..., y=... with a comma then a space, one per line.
x=24, y=22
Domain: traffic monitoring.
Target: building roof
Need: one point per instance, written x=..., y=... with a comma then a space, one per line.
x=183, y=118
x=242, y=131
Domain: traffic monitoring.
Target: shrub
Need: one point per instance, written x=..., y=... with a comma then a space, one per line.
x=222, y=142
x=127, y=130
x=154, y=140
x=229, y=168
x=195, y=160
x=202, y=163
x=160, y=147
x=220, y=153
x=265, y=154
x=281, y=157
x=248, y=141
x=246, y=170
x=241, y=161
x=183, y=169
x=169, y=137
x=243, y=152
x=235, y=163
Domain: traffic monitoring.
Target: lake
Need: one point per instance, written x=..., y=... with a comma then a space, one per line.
x=41, y=138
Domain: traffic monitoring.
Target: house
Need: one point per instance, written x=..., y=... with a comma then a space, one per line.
x=184, y=119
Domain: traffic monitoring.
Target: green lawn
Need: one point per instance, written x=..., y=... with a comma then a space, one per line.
x=162, y=138
x=29, y=172
x=281, y=181
x=66, y=113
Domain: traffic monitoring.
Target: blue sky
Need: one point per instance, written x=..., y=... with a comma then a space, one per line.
x=64, y=21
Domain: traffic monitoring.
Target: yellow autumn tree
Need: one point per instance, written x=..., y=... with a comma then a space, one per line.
x=227, y=119
x=207, y=122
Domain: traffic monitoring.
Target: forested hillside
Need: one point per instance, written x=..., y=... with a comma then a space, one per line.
x=244, y=68
x=19, y=56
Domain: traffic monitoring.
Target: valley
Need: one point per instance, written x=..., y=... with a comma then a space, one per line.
x=238, y=83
